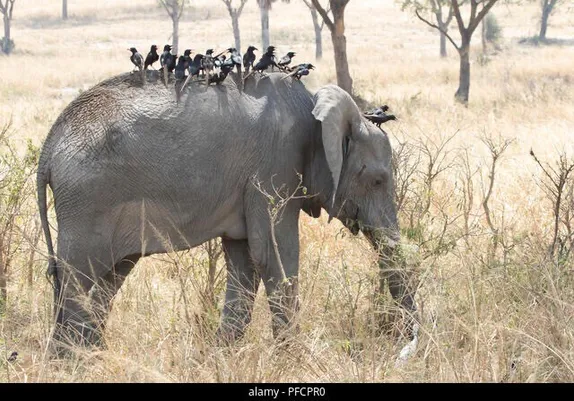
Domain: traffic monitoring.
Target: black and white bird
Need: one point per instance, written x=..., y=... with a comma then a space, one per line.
x=236, y=58
x=300, y=70
x=286, y=60
x=379, y=119
x=379, y=110
x=249, y=58
x=219, y=60
x=152, y=57
x=208, y=62
x=136, y=58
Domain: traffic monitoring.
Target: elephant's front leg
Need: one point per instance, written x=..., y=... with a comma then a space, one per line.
x=275, y=250
x=242, y=284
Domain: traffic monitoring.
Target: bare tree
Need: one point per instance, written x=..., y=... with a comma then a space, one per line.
x=235, y=13
x=318, y=29
x=174, y=9
x=64, y=9
x=7, y=8
x=264, y=8
x=337, y=28
x=547, y=8
x=475, y=17
x=438, y=8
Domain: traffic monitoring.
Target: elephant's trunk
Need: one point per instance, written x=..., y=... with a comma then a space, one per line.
x=393, y=270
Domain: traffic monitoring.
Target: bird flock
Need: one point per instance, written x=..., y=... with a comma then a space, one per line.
x=213, y=69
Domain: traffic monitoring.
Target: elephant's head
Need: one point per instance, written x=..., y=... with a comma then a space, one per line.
x=358, y=155
x=359, y=159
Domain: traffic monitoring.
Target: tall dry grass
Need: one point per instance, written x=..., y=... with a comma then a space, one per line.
x=495, y=303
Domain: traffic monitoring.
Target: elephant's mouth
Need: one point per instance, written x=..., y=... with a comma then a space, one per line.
x=354, y=224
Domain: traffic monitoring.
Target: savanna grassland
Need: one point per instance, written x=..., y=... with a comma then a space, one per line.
x=491, y=250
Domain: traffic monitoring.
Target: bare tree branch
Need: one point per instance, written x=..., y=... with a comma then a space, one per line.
x=7, y=8
x=234, y=11
x=174, y=8
x=485, y=9
x=445, y=33
x=457, y=15
x=324, y=14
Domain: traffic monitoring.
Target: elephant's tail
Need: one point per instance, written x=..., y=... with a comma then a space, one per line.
x=42, y=181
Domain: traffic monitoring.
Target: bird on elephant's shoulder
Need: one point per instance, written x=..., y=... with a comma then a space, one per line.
x=379, y=110
x=249, y=58
x=380, y=118
x=136, y=58
x=151, y=58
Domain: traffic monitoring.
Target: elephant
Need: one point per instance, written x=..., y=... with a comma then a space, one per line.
x=135, y=172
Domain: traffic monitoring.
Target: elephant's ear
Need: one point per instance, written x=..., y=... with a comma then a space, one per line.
x=340, y=117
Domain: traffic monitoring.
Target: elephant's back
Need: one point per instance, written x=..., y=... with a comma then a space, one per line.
x=108, y=124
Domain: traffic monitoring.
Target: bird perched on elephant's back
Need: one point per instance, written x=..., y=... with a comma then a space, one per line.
x=266, y=61
x=151, y=58
x=150, y=169
x=286, y=60
x=136, y=58
x=249, y=59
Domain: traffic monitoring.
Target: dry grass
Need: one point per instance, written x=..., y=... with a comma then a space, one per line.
x=489, y=313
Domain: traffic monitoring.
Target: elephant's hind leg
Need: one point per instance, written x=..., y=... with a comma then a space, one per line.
x=75, y=323
x=103, y=293
x=242, y=284
x=79, y=268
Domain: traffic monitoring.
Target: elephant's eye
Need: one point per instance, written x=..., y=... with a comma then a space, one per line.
x=378, y=182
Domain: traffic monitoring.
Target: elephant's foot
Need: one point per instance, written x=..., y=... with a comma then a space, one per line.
x=228, y=335
x=73, y=335
x=284, y=306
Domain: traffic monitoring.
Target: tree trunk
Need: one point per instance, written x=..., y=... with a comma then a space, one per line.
x=264, y=27
x=463, y=90
x=175, y=35
x=318, y=35
x=236, y=33
x=7, y=44
x=64, y=9
x=344, y=79
x=483, y=35
x=546, y=9
x=443, y=53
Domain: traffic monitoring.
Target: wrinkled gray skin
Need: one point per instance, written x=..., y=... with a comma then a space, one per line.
x=134, y=173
